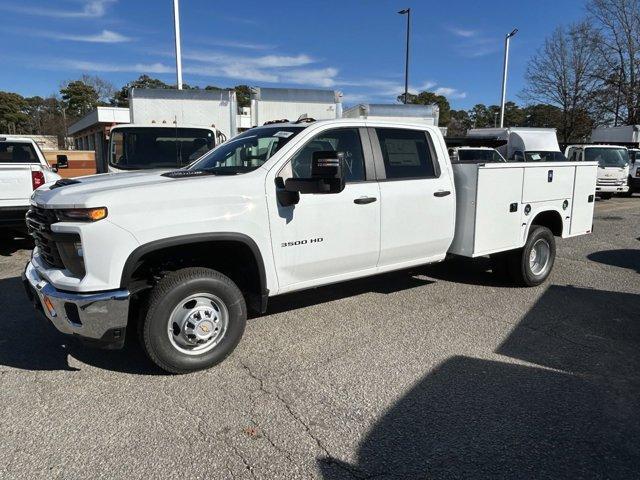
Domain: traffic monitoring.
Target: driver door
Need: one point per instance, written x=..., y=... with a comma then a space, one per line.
x=328, y=237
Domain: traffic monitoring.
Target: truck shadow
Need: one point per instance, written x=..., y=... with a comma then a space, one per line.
x=574, y=415
x=11, y=244
x=472, y=271
x=387, y=283
x=28, y=342
x=623, y=258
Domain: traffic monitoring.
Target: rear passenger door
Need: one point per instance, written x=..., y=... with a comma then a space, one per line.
x=416, y=194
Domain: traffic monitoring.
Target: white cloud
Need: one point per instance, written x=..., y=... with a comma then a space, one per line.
x=239, y=45
x=450, y=93
x=462, y=32
x=111, y=67
x=324, y=77
x=90, y=9
x=265, y=61
x=106, y=36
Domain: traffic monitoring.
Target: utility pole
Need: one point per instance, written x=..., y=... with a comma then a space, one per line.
x=176, y=26
x=407, y=12
x=504, y=73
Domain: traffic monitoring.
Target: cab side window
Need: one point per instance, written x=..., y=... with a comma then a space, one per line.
x=406, y=154
x=346, y=140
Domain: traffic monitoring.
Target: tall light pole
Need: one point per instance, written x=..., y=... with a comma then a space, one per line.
x=504, y=73
x=407, y=12
x=176, y=26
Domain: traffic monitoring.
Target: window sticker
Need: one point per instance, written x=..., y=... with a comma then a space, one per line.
x=283, y=134
x=535, y=156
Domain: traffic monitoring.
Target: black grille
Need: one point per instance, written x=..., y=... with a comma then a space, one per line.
x=39, y=222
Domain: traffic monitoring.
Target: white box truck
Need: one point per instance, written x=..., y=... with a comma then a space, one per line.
x=414, y=114
x=613, y=166
x=523, y=143
x=274, y=104
x=171, y=128
x=627, y=136
x=188, y=252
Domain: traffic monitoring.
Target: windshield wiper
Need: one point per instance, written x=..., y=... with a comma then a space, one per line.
x=187, y=173
x=199, y=173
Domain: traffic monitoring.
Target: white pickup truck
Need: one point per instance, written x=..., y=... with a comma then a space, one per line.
x=280, y=208
x=23, y=168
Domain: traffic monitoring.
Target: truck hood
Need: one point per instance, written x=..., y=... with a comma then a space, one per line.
x=77, y=194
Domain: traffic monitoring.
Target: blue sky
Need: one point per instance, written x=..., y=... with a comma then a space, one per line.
x=356, y=46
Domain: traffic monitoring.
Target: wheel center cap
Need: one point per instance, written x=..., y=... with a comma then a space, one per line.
x=204, y=329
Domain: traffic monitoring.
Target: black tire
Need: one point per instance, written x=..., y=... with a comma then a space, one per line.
x=605, y=196
x=167, y=295
x=520, y=268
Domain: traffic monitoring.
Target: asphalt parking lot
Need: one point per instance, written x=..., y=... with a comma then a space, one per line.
x=440, y=372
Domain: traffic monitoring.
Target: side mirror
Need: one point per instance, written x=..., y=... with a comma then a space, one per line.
x=62, y=161
x=327, y=175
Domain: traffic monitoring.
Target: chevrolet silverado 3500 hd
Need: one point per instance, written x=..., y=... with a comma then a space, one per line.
x=280, y=208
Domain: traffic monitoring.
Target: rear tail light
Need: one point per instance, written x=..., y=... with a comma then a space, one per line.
x=37, y=179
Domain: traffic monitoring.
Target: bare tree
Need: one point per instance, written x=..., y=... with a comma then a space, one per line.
x=618, y=47
x=103, y=88
x=561, y=73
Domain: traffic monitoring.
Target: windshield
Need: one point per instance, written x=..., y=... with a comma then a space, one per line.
x=541, y=156
x=478, y=156
x=247, y=151
x=156, y=147
x=607, y=157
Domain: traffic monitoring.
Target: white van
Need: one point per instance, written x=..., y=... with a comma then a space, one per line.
x=524, y=143
x=613, y=166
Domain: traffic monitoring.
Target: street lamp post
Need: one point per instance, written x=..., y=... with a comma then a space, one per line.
x=407, y=12
x=176, y=26
x=504, y=73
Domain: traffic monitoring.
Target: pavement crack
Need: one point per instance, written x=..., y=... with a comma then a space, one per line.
x=352, y=471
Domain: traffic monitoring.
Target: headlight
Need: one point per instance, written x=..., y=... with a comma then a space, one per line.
x=82, y=214
x=71, y=255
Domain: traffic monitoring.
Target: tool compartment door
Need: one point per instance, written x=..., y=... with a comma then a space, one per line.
x=583, y=199
x=498, y=209
x=547, y=182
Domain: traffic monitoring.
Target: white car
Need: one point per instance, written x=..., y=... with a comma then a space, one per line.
x=23, y=168
x=277, y=209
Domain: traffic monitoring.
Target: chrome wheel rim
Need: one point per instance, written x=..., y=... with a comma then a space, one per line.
x=539, y=256
x=198, y=323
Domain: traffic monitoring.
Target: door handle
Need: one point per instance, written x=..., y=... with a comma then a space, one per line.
x=364, y=200
x=441, y=193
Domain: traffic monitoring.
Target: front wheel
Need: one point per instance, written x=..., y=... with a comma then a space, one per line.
x=532, y=264
x=605, y=196
x=195, y=319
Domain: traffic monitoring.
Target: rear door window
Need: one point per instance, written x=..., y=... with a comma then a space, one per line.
x=406, y=154
x=17, y=152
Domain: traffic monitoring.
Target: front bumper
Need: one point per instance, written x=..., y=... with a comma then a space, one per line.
x=612, y=188
x=96, y=318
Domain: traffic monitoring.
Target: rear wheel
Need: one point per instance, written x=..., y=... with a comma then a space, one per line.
x=532, y=264
x=196, y=318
